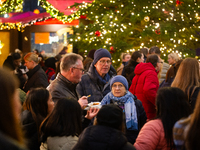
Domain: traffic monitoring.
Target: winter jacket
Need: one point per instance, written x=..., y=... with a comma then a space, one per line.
x=152, y=137
x=145, y=85
x=59, y=143
x=129, y=71
x=165, y=67
x=120, y=69
x=166, y=84
x=62, y=88
x=30, y=130
x=90, y=85
x=36, y=78
x=102, y=138
x=7, y=143
x=193, y=96
x=180, y=131
x=141, y=119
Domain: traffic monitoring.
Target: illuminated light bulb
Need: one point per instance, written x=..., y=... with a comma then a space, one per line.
x=132, y=13
x=122, y=5
x=150, y=40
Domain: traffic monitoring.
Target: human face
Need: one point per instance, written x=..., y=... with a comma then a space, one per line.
x=16, y=104
x=17, y=62
x=127, y=58
x=159, y=64
x=103, y=66
x=118, y=89
x=50, y=104
x=77, y=72
x=29, y=64
x=171, y=61
x=140, y=59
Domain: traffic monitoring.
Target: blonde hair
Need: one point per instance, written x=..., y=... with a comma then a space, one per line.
x=187, y=76
x=31, y=57
x=123, y=55
x=174, y=56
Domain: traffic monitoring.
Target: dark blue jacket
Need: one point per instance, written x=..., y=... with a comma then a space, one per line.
x=102, y=138
x=90, y=85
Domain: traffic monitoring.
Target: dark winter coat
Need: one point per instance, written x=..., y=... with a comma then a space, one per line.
x=6, y=143
x=90, y=85
x=193, y=96
x=141, y=117
x=36, y=78
x=102, y=138
x=62, y=88
x=129, y=71
x=29, y=128
x=166, y=84
x=145, y=85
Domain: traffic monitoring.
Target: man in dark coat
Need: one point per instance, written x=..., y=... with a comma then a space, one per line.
x=36, y=75
x=71, y=71
x=96, y=82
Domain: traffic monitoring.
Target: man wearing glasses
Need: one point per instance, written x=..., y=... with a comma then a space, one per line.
x=71, y=71
x=96, y=82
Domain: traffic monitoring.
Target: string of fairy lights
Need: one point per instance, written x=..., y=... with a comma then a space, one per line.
x=173, y=15
x=156, y=26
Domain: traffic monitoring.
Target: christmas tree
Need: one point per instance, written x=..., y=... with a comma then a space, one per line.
x=128, y=25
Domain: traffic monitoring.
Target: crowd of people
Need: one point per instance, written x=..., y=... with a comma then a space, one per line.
x=146, y=103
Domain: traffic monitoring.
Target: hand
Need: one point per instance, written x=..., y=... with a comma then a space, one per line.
x=91, y=113
x=83, y=101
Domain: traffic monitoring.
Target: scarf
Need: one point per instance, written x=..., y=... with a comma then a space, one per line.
x=103, y=80
x=129, y=106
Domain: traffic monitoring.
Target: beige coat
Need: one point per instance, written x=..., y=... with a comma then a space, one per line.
x=59, y=143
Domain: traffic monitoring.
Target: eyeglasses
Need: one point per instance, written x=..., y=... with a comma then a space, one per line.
x=82, y=70
x=103, y=62
x=119, y=86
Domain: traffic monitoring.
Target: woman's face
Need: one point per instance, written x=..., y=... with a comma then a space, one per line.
x=50, y=104
x=140, y=59
x=171, y=61
x=118, y=89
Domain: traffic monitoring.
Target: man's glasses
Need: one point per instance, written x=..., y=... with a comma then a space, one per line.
x=103, y=62
x=82, y=70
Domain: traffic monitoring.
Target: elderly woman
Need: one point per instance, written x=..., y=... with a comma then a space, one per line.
x=135, y=115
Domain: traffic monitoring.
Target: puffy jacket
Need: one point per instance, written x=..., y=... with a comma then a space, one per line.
x=59, y=143
x=90, y=85
x=29, y=128
x=152, y=137
x=102, y=138
x=36, y=78
x=145, y=85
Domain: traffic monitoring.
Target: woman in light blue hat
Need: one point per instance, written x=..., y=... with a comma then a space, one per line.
x=135, y=115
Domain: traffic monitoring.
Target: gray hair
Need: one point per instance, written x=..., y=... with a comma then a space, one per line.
x=69, y=60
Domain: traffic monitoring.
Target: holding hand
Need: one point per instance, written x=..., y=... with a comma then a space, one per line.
x=83, y=102
x=91, y=113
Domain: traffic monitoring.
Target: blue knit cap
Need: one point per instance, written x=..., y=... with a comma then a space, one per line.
x=119, y=78
x=100, y=53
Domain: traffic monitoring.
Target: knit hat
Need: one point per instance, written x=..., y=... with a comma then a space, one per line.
x=119, y=78
x=110, y=115
x=101, y=53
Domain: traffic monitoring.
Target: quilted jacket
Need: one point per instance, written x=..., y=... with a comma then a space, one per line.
x=145, y=85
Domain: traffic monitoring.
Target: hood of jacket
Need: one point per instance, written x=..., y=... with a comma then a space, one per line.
x=101, y=137
x=142, y=67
